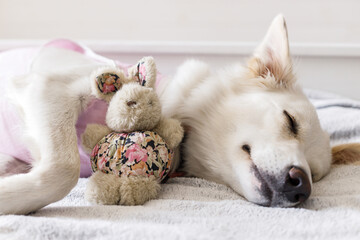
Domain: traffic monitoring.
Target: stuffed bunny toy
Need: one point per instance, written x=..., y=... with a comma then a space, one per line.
x=132, y=154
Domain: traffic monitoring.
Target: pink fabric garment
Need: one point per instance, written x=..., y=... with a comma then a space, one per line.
x=13, y=63
x=17, y=62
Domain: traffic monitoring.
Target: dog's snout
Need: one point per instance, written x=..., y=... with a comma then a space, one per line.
x=297, y=186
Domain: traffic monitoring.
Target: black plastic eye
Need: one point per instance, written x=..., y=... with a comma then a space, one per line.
x=246, y=148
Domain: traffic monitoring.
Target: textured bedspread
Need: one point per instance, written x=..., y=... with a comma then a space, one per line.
x=190, y=208
x=338, y=115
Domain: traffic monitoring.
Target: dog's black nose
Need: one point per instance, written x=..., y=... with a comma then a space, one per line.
x=297, y=186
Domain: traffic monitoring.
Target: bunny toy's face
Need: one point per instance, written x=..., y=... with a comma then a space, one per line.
x=133, y=108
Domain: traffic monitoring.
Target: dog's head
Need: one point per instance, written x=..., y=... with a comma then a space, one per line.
x=253, y=129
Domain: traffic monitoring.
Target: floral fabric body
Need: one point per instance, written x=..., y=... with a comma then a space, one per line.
x=142, y=153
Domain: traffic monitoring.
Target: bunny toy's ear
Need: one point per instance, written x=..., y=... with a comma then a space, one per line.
x=144, y=72
x=106, y=81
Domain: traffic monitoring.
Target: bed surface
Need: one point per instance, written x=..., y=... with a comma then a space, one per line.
x=190, y=208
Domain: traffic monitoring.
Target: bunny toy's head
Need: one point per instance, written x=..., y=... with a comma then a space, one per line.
x=133, y=102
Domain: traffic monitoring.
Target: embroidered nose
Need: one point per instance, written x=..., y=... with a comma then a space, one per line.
x=297, y=186
x=131, y=103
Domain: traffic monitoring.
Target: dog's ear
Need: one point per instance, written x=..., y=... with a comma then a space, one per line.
x=346, y=154
x=272, y=57
x=106, y=81
x=144, y=72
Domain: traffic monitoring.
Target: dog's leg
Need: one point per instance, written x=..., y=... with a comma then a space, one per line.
x=187, y=78
x=49, y=107
x=174, y=94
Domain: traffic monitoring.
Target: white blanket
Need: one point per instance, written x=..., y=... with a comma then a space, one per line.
x=190, y=208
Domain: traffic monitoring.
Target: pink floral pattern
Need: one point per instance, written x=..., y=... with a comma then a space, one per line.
x=141, y=73
x=136, y=154
x=108, y=82
x=142, y=153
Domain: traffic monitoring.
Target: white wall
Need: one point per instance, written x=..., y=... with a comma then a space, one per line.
x=319, y=21
x=324, y=35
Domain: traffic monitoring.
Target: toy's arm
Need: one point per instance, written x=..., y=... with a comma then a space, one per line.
x=92, y=135
x=170, y=129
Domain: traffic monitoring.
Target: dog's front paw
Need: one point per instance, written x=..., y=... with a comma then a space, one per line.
x=316, y=177
x=318, y=171
x=103, y=189
x=136, y=190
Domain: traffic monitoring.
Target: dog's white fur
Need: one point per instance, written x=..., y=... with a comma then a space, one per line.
x=222, y=110
x=49, y=101
x=244, y=105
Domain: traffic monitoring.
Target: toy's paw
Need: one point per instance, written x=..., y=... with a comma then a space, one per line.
x=319, y=170
x=87, y=139
x=177, y=134
x=103, y=189
x=136, y=190
x=92, y=135
x=171, y=130
x=144, y=72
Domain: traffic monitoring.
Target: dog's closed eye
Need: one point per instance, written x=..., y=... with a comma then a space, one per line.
x=292, y=124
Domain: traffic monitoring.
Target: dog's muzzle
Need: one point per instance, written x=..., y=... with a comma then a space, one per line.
x=290, y=188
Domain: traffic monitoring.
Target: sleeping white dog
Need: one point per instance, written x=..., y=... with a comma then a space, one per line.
x=249, y=127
